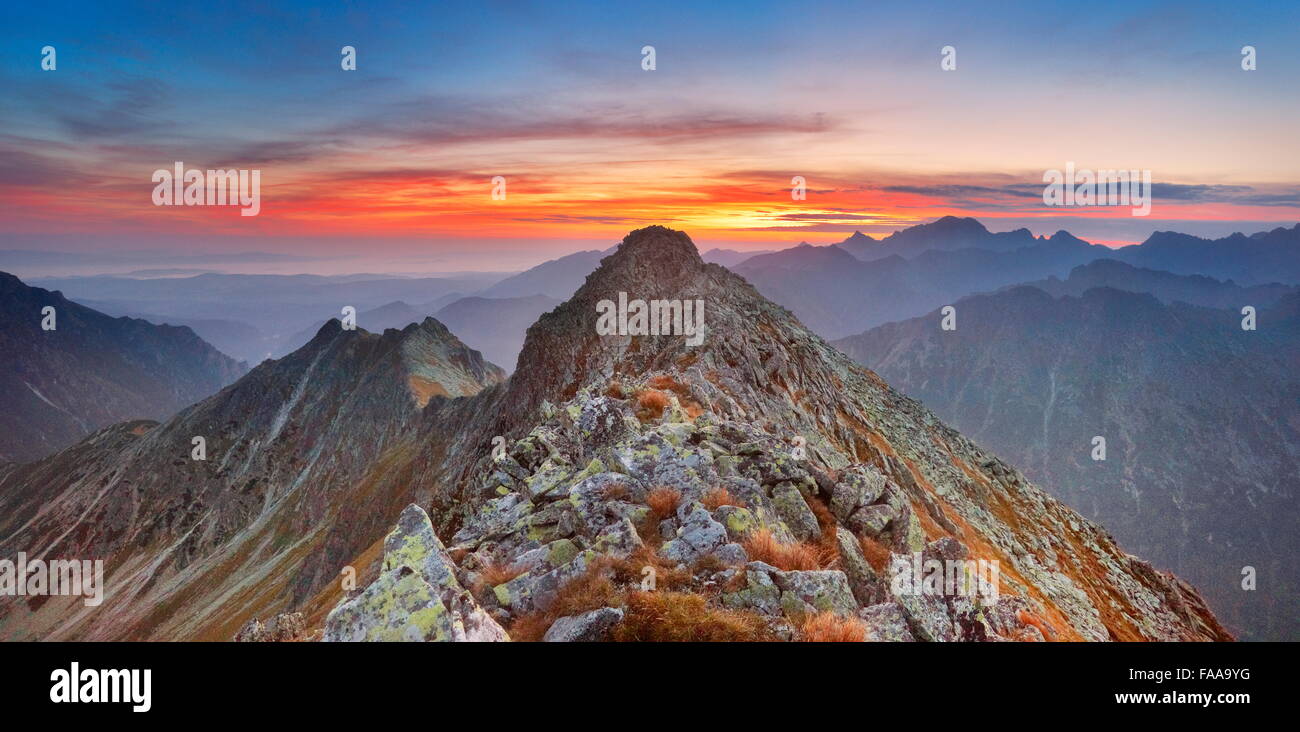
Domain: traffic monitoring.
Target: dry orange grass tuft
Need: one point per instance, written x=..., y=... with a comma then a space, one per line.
x=530, y=628
x=828, y=627
x=495, y=574
x=630, y=570
x=828, y=548
x=663, y=501
x=615, y=390
x=876, y=554
x=762, y=546
x=683, y=617
x=652, y=403
x=666, y=382
x=588, y=591
x=717, y=497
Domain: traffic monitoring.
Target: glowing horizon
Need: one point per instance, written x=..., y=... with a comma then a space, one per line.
x=403, y=150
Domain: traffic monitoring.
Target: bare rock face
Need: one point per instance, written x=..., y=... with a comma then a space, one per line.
x=730, y=489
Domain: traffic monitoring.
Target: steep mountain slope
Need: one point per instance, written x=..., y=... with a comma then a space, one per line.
x=91, y=370
x=1200, y=420
x=1165, y=286
x=495, y=326
x=304, y=469
x=837, y=295
x=627, y=459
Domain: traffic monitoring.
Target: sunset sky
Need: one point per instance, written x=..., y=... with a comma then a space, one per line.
x=396, y=158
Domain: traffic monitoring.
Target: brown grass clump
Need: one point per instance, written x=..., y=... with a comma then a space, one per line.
x=653, y=403
x=828, y=627
x=683, y=617
x=664, y=382
x=588, y=591
x=615, y=390
x=530, y=628
x=629, y=570
x=614, y=492
x=876, y=554
x=495, y=574
x=663, y=501
x=762, y=546
x=717, y=497
x=828, y=547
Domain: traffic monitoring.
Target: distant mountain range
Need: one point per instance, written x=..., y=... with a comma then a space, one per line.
x=947, y=233
x=91, y=370
x=1201, y=418
x=837, y=294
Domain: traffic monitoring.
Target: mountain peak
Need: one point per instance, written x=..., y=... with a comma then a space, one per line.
x=655, y=251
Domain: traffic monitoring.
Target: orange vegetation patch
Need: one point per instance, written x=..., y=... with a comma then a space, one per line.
x=827, y=627
x=589, y=591
x=828, y=548
x=423, y=389
x=876, y=554
x=652, y=403
x=495, y=574
x=684, y=617
x=718, y=496
x=663, y=501
x=664, y=382
x=761, y=546
x=631, y=570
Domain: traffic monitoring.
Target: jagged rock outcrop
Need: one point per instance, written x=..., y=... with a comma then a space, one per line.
x=416, y=597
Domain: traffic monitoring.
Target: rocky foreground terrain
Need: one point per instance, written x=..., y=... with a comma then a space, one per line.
x=622, y=488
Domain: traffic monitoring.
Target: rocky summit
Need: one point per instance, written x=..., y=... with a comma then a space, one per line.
x=758, y=486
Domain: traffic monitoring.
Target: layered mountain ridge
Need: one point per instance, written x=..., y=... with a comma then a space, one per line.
x=91, y=370
x=766, y=439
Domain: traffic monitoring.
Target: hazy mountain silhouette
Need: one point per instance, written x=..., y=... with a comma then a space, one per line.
x=90, y=371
